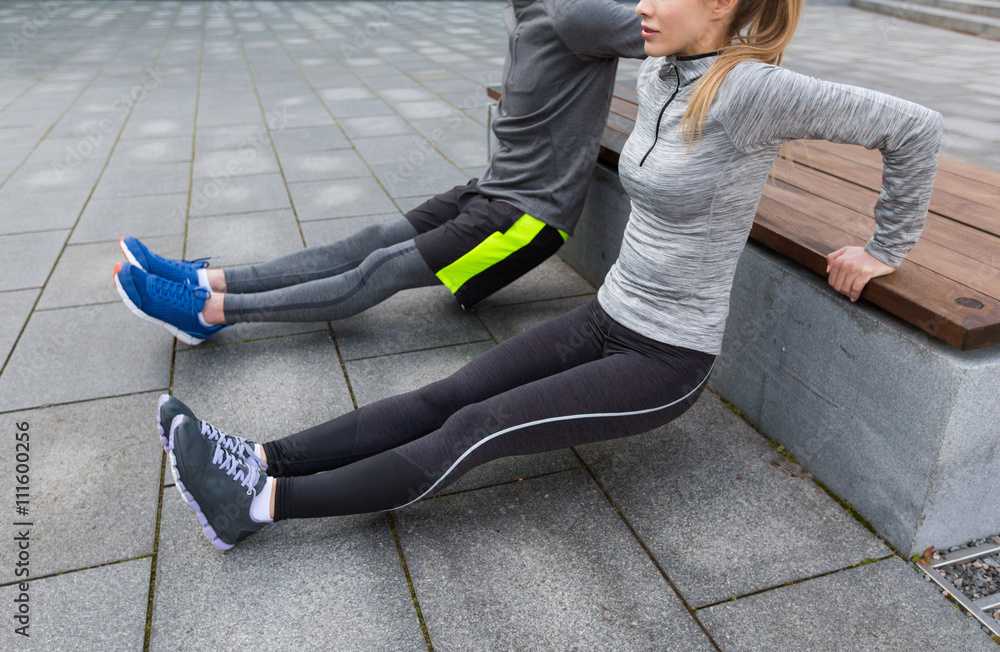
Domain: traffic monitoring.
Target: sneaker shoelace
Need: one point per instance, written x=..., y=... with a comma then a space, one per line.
x=183, y=266
x=235, y=468
x=238, y=446
x=179, y=295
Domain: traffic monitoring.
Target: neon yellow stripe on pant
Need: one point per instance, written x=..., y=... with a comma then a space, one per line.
x=490, y=251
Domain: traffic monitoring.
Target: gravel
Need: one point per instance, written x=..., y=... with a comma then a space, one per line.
x=976, y=579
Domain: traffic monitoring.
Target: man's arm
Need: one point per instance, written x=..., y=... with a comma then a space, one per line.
x=598, y=28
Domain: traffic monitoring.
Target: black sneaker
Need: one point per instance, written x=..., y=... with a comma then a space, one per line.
x=169, y=407
x=216, y=484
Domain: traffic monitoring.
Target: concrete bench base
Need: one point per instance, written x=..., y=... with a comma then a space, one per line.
x=902, y=426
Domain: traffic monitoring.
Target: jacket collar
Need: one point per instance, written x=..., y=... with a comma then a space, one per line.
x=689, y=68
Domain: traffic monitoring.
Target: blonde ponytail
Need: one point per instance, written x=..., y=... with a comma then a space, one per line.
x=760, y=31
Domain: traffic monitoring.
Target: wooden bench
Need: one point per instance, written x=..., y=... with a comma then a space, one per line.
x=892, y=401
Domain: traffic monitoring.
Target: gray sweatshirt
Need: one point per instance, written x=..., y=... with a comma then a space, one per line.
x=557, y=84
x=692, y=210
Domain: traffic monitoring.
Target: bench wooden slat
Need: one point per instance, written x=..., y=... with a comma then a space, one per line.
x=623, y=109
x=942, y=202
x=916, y=294
x=976, y=245
x=970, y=176
x=626, y=93
x=960, y=269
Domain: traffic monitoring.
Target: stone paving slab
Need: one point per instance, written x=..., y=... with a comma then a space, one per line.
x=234, y=162
x=96, y=609
x=421, y=318
x=319, y=200
x=266, y=389
x=375, y=127
x=69, y=151
x=324, y=231
x=514, y=469
x=28, y=258
x=94, y=480
x=164, y=127
x=11, y=158
x=395, y=149
x=723, y=513
x=220, y=138
x=377, y=378
x=244, y=238
x=404, y=179
x=332, y=583
x=880, y=607
x=553, y=279
x=142, y=217
x=505, y=322
x=15, y=307
x=44, y=178
x=464, y=153
x=542, y=564
x=151, y=152
x=75, y=354
x=262, y=192
x=309, y=139
x=84, y=273
x=253, y=331
x=323, y=164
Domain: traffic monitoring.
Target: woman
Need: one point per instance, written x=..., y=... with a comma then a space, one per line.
x=714, y=112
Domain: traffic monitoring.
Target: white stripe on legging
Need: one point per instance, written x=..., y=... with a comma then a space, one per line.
x=552, y=420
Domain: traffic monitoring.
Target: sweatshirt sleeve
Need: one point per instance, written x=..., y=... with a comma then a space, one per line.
x=761, y=106
x=598, y=28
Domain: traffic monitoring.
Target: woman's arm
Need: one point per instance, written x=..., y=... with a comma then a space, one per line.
x=761, y=106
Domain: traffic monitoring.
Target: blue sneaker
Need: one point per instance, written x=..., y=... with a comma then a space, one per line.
x=169, y=407
x=175, y=306
x=214, y=483
x=179, y=271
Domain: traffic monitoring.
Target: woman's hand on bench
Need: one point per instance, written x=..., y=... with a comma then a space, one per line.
x=850, y=269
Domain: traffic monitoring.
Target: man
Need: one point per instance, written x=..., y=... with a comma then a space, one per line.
x=474, y=239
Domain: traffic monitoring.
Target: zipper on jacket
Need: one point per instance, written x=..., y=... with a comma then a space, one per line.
x=656, y=134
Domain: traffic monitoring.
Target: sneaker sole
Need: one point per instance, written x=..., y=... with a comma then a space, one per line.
x=129, y=255
x=191, y=502
x=183, y=336
x=159, y=424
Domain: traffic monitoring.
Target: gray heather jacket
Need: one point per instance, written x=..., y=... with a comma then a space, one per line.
x=557, y=85
x=692, y=210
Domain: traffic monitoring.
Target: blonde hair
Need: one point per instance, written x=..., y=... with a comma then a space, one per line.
x=760, y=30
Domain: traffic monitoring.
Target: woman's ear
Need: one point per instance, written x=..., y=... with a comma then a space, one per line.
x=724, y=8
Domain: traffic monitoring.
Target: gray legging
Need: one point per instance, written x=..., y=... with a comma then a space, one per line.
x=580, y=378
x=330, y=281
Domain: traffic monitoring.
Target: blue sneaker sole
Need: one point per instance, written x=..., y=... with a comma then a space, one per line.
x=189, y=499
x=183, y=336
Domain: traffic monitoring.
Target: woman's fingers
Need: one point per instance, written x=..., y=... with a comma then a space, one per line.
x=850, y=269
x=834, y=256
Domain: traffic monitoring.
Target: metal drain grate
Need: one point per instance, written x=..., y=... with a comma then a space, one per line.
x=977, y=608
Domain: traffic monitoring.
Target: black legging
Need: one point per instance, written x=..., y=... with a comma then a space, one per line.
x=577, y=379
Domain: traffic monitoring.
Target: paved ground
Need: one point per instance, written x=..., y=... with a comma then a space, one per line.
x=697, y=536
